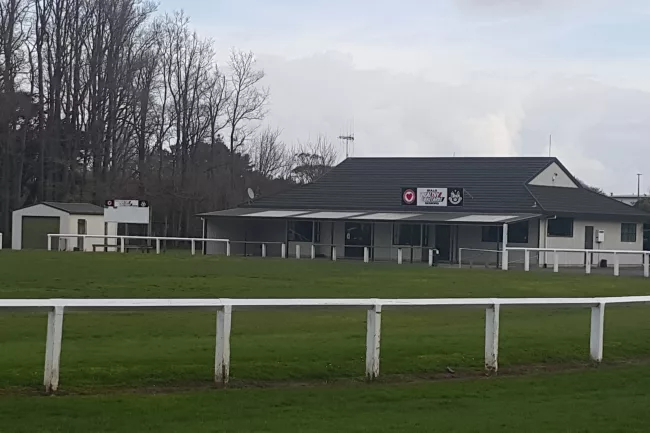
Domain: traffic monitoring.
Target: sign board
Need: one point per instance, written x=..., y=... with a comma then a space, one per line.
x=126, y=211
x=433, y=197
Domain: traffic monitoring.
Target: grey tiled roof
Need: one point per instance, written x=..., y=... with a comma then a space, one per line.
x=76, y=208
x=583, y=201
x=491, y=184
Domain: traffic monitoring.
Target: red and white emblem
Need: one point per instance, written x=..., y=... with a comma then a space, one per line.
x=408, y=196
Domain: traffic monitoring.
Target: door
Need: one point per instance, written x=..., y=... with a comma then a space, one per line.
x=443, y=242
x=82, y=229
x=35, y=230
x=589, y=242
x=357, y=236
x=646, y=237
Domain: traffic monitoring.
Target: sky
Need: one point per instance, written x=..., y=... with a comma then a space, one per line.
x=453, y=77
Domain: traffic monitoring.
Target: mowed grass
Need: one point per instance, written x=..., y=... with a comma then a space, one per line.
x=603, y=401
x=177, y=348
x=152, y=371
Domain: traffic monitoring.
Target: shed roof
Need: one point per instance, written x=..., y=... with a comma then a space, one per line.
x=76, y=208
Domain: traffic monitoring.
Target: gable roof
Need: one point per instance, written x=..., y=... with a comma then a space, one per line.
x=76, y=208
x=492, y=185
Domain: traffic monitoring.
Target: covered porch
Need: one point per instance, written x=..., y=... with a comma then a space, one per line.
x=375, y=236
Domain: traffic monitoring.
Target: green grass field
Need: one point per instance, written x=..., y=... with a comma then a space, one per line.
x=303, y=371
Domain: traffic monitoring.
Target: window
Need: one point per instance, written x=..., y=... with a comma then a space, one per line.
x=407, y=234
x=628, y=232
x=304, y=231
x=517, y=233
x=560, y=227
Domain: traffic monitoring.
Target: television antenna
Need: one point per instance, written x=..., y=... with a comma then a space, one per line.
x=347, y=139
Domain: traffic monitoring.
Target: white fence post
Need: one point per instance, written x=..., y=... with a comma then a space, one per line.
x=157, y=246
x=504, y=256
x=334, y=253
x=228, y=249
x=617, y=265
x=460, y=257
x=646, y=265
x=53, y=349
x=122, y=245
x=0, y=241
x=222, y=352
x=366, y=255
x=298, y=251
x=597, y=329
x=263, y=250
x=193, y=247
x=431, y=257
x=313, y=251
x=49, y=242
x=526, y=260
x=399, y=256
x=492, y=338
x=588, y=263
x=556, y=262
x=373, y=339
x=284, y=251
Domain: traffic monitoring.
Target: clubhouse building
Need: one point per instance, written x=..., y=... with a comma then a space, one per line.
x=446, y=204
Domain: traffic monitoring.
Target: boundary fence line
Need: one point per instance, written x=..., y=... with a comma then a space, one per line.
x=56, y=308
x=588, y=265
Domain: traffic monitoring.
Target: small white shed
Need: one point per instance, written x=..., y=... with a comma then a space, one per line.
x=31, y=225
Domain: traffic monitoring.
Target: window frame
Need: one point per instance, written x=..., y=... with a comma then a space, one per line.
x=548, y=227
x=632, y=234
x=397, y=234
x=487, y=233
x=314, y=231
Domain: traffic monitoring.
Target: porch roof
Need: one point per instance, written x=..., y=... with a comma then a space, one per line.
x=376, y=216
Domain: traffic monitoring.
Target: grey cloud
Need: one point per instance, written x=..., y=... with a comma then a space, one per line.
x=600, y=131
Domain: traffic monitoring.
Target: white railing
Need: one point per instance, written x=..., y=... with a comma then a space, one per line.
x=224, y=308
x=474, y=250
x=587, y=253
x=122, y=241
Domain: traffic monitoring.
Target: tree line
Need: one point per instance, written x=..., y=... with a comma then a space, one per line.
x=109, y=99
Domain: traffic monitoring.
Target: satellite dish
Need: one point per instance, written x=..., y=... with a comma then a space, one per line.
x=251, y=194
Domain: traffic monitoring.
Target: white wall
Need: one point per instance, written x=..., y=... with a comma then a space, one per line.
x=36, y=211
x=94, y=226
x=553, y=175
x=612, y=242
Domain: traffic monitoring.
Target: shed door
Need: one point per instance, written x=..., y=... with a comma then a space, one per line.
x=36, y=229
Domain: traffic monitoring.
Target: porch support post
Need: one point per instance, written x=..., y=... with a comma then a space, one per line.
x=504, y=246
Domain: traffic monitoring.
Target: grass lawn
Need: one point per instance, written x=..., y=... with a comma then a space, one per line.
x=105, y=353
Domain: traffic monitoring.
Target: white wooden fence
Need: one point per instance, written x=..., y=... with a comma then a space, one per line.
x=588, y=265
x=122, y=240
x=224, y=308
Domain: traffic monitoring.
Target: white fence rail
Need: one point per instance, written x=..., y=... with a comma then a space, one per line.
x=224, y=309
x=555, y=259
x=122, y=240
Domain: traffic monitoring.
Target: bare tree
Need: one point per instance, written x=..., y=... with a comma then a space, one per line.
x=269, y=155
x=247, y=102
x=313, y=159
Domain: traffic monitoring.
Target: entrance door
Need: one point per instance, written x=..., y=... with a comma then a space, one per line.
x=646, y=237
x=357, y=236
x=82, y=229
x=443, y=242
x=589, y=241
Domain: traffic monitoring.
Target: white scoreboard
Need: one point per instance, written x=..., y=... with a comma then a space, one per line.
x=126, y=211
